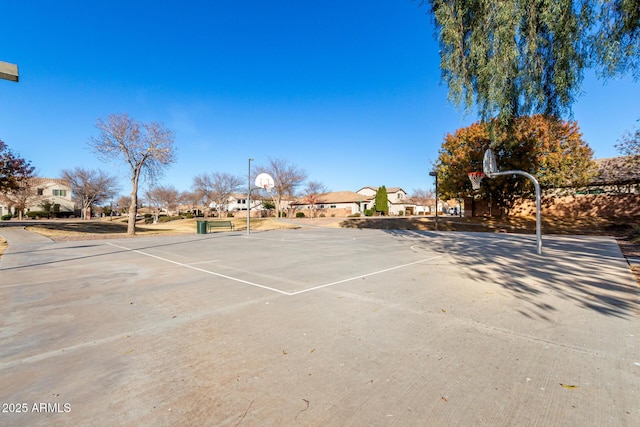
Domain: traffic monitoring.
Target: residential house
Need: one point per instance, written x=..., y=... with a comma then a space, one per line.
x=237, y=202
x=336, y=203
x=399, y=204
x=615, y=175
x=52, y=190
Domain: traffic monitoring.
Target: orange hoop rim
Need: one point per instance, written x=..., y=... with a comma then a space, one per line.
x=476, y=174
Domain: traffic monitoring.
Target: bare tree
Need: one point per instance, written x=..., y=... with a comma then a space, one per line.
x=629, y=146
x=21, y=195
x=216, y=188
x=123, y=204
x=90, y=187
x=286, y=177
x=311, y=194
x=162, y=197
x=192, y=200
x=423, y=197
x=146, y=147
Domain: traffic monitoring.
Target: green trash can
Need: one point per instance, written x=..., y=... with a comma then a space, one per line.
x=201, y=227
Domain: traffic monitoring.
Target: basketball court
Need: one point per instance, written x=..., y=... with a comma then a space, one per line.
x=319, y=327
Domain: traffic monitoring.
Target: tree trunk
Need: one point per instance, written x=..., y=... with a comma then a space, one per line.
x=133, y=207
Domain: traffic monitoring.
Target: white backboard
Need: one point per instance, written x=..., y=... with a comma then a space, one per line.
x=264, y=180
x=489, y=165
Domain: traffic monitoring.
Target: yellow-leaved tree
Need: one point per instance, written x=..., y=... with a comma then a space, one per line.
x=549, y=148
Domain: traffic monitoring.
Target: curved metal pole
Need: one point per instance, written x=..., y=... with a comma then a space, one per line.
x=538, y=204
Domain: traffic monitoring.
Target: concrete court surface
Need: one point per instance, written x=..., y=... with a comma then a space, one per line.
x=318, y=327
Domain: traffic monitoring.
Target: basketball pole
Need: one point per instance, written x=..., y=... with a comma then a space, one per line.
x=538, y=203
x=249, y=198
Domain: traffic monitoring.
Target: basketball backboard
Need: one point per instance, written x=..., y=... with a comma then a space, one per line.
x=489, y=166
x=265, y=181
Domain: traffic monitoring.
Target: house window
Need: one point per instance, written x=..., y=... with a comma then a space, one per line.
x=332, y=206
x=60, y=193
x=40, y=191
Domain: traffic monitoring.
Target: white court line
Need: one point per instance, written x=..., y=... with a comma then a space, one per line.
x=205, y=262
x=397, y=267
x=326, y=285
x=246, y=282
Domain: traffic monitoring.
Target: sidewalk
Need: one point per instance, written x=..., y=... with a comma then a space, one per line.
x=18, y=235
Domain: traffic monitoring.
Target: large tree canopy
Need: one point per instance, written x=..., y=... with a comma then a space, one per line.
x=511, y=58
x=550, y=149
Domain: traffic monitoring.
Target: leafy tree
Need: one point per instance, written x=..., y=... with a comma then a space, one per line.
x=550, y=149
x=90, y=187
x=617, y=40
x=286, y=177
x=16, y=176
x=14, y=170
x=382, y=201
x=147, y=148
x=512, y=58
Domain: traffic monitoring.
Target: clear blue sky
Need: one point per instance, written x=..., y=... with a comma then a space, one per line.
x=349, y=91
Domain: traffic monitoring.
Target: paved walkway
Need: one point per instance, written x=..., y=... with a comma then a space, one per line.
x=16, y=235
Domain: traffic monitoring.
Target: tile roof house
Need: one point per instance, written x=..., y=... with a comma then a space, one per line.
x=339, y=203
x=616, y=175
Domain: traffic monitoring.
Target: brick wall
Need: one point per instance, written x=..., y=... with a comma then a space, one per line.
x=606, y=205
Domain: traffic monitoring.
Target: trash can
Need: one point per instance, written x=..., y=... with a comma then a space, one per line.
x=201, y=227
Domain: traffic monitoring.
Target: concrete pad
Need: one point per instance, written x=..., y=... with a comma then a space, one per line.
x=320, y=327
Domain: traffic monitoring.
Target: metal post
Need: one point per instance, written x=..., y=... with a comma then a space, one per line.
x=435, y=174
x=249, y=198
x=538, y=203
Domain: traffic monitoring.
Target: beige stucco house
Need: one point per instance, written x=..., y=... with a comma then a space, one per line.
x=56, y=191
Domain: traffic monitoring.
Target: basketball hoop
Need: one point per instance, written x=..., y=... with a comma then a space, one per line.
x=476, y=178
x=265, y=181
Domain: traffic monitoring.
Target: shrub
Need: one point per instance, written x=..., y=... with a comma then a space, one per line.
x=300, y=215
x=229, y=214
x=189, y=215
x=400, y=213
x=322, y=215
x=6, y=217
x=368, y=212
x=354, y=215
x=36, y=214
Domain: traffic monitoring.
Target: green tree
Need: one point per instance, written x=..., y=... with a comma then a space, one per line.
x=511, y=58
x=147, y=148
x=382, y=201
x=550, y=149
